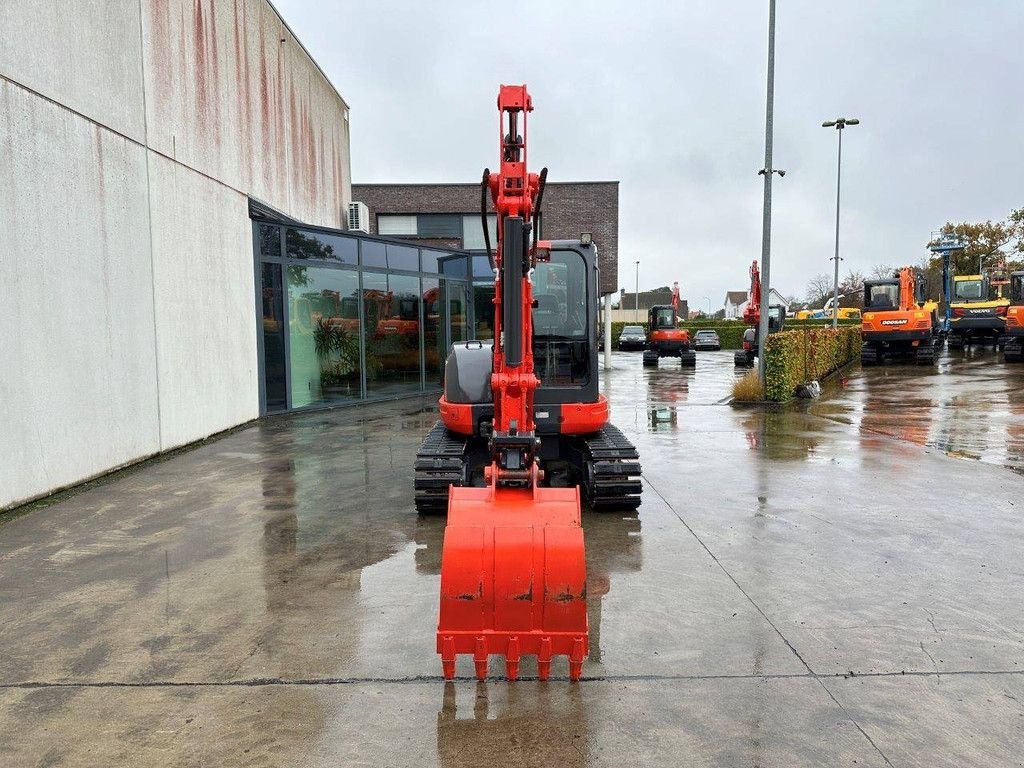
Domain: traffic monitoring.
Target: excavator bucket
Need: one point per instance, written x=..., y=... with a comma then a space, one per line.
x=513, y=579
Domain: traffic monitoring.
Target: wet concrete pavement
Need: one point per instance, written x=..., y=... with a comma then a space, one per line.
x=835, y=584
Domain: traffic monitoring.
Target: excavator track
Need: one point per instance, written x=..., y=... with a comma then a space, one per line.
x=440, y=462
x=869, y=355
x=925, y=354
x=612, y=468
x=1013, y=350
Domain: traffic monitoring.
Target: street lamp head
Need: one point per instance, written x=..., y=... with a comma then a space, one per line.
x=828, y=124
x=853, y=121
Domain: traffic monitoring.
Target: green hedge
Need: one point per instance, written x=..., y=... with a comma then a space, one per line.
x=729, y=333
x=805, y=354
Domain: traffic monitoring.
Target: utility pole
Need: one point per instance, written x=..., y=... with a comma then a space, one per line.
x=839, y=124
x=767, y=171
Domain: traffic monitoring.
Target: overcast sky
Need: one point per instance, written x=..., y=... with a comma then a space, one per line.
x=668, y=98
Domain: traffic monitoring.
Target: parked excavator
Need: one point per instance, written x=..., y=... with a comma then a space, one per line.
x=523, y=439
x=744, y=358
x=665, y=338
x=898, y=321
x=976, y=316
x=1013, y=349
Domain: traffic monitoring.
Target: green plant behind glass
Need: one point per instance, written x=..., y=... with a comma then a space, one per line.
x=338, y=351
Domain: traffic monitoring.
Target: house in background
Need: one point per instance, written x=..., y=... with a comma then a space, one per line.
x=734, y=302
x=632, y=311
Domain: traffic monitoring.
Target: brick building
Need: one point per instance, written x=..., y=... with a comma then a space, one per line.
x=448, y=215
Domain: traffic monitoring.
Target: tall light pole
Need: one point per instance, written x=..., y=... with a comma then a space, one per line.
x=709, y=304
x=767, y=171
x=636, y=296
x=839, y=124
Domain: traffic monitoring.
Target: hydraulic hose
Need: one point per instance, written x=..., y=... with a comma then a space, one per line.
x=536, y=207
x=483, y=216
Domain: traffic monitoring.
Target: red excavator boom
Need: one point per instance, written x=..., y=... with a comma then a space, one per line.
x=513, y=573
x=752, y=312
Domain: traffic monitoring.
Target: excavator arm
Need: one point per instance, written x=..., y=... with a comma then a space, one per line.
x=513, y=568
x=752, y=312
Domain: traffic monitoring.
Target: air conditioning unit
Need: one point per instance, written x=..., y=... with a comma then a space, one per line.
x=359, y=217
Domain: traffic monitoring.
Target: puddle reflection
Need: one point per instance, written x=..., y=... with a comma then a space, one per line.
x=497, y=723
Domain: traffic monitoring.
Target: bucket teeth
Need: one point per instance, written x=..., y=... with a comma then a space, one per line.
x=448, y=657
x=512, y=659
x=576, y=659
x=544, y=659
x=480, y=658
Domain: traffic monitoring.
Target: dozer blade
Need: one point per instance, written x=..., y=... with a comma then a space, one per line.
x=513, y=579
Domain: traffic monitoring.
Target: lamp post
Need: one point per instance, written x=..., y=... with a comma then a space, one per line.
x=839, y=124
x=767, y=171
x=709, y=304
x=636, y=296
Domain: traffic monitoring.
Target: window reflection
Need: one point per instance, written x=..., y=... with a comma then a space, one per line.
x=458, y=309
x=483, y=310
x=435, y=342
x=270, y=241
x=392, y=310
x=273, y=338
x=317, y=245
x=323, y=310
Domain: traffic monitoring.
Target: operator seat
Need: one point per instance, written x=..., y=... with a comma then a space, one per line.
x=545, y=314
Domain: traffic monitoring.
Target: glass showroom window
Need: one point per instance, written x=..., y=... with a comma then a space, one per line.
x=273, y=338
x=435, y=337
x=392, y=310
x=318, y=245
x=323, y=334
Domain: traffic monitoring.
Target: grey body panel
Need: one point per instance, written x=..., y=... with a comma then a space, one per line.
x=467, y=372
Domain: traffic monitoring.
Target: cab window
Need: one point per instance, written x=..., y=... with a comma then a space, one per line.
x=663, y=318
x=886, y=296
x=968, y=290
x=560, y=330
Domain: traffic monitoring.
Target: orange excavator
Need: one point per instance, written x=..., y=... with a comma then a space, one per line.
x=744, y=357
x=1013, y=350
x=523, y=435
x=896, y=323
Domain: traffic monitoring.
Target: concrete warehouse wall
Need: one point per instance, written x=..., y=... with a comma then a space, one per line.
x=131, y=135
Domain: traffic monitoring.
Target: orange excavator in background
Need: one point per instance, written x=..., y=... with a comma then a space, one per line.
x=1013, y=350
x=744, y=357
x=896, y=323
x=523, y=431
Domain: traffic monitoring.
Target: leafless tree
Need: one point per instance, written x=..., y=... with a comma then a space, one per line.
x=819, y=288
x=882, y=271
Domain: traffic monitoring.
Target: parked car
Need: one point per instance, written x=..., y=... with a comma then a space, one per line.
x=632, y=337
x=707, y=339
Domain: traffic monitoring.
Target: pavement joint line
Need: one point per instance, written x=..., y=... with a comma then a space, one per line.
x=764, y=615
x=272, y=682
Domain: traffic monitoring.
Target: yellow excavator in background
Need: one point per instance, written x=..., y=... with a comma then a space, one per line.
x=976, y=317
